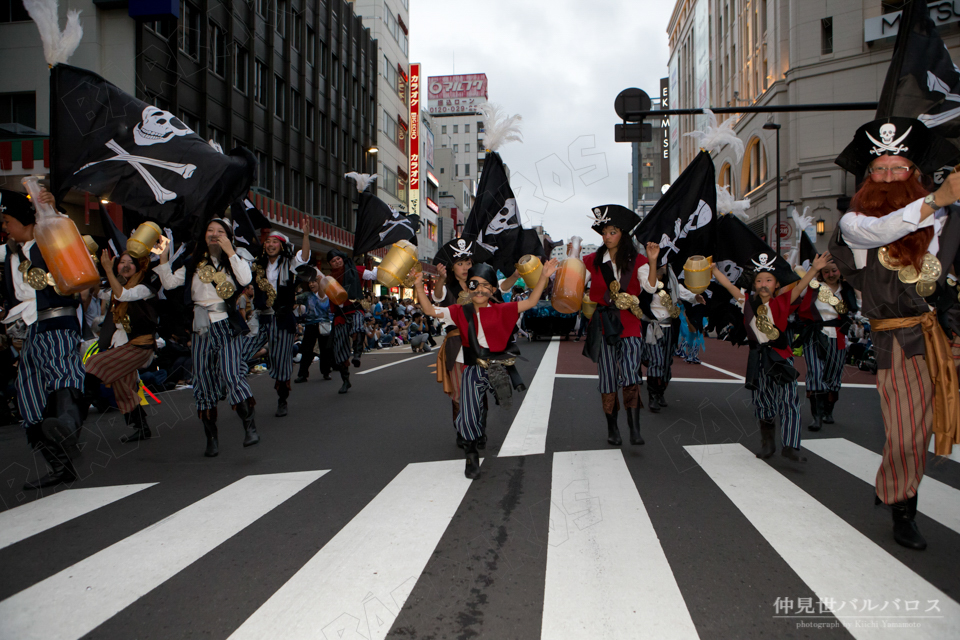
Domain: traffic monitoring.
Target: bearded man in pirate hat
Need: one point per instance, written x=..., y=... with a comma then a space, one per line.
x=896, y=245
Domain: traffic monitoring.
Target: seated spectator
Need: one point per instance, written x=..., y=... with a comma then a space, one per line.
x=418, y=334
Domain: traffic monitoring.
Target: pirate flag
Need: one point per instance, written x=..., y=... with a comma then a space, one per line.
x=378, y=225
x=114, y=146
x=683, y=222
x=494, y=219
x=807, y=251
x=247, y=224
x=462, y=248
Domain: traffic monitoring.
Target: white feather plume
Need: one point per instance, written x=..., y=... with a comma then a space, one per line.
x=715, y=137
x=498, y=127
x=727, y=204
x=363, y=180
x=804, y=222
x=58, y=45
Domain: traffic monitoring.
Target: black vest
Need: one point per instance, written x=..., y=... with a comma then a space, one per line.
x=238, y=326
x=47, y=298
x=285, y=301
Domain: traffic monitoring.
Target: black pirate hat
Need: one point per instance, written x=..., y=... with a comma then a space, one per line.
x=771, y=262
x=463, y=248
x=615, y=214
x=904, y=137
x=17, y=205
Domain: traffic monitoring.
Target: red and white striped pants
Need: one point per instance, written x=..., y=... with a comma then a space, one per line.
x=118, y=368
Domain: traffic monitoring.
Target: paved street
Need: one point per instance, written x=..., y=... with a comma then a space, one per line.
x=352, y=519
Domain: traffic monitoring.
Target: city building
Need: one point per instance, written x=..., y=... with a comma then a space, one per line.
x=454, y=103
x=649, y=167
x=781, y=52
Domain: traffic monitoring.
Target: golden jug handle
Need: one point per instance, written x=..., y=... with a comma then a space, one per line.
x=410, y=279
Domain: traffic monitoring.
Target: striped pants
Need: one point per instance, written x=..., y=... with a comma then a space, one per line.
x=824, y=370
x=279, y=345
x=343, y=339
x=619, y=366
x=49, y=360
x=772, y=399
x=217, y=363
x=659, y=356
x=906, y=401
x=118, y=368
x=471, y=420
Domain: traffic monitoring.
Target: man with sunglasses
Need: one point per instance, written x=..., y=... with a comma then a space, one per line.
x=896, y=245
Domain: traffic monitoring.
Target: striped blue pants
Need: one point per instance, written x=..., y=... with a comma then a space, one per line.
x=659, y=356
x=279, y=345
x=619, y=366
x=49, y=360
x=824, y=371
x=217, y=363
x=771, y=400
x=474, y=385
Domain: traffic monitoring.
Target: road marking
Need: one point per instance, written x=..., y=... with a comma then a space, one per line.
x=35, y=517
x=937, y=500
x=593, y=376
x=845, y=566
x=528, y=433
x=724, y=371
x=384, y=366
x=607, y=575
x=74, y=602
x=358, y=582
x=954, y=454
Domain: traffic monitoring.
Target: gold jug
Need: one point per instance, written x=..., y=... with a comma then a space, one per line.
x=399, y=261
x=697, y=273
x=588, y=307
x=143, y=240
x=530, y=269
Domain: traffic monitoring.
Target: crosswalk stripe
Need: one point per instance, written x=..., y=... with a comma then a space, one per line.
x=393, y=364
x=954, y=454
x=736, y=376
x=75, y=601
x=528, y=433
x=357, y=583
x=607, y=575
x=937, y=500
x=38, y=516
x=841, y=563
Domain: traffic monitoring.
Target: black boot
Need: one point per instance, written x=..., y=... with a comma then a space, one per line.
x=345, y=375
x=283, y=392
x=138, y=420
x=905, y=530
x=767, y=445
x=246, y=412
x=61, y=468
x=472, y=470
x=829, y=400
x=209, y=420
x=516, y=379
x=792, y=454
x=652, y=395
x=816, y=408
x=613, y=431
x=62, y=405
x=662, y=389
x=633, y=421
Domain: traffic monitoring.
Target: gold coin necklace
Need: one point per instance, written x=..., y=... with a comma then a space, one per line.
x=925, y=278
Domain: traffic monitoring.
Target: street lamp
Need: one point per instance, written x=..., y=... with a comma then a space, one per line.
x=821, y=226
x=776, y=127
x=372, y=151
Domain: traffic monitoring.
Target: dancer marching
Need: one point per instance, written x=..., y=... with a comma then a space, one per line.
x=214, y=275
x=348, y=331
x=485, y=330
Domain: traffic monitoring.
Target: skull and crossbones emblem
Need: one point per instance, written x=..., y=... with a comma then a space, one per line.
x=462, y=249
x=600, y=217
x=887, y=143
x=396, y=221
x=765, y=262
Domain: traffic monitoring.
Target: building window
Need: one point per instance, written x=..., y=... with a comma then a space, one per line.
x=295, y=109
x=279, y=96
x=456, y=171
x=323, y=131
x=240, y=63
x=281, y=16
x=297, y=31
x=279, y=175
x=480, y=127
x=390, y=22
x=336, y=72
x=13, y=11
x=189, y=36
x=295, y=200
x=20, y=108
x=160, y=27
x=466, y=129
x=218, y=136
x=390, y=182
x=390, y=129
x=754, y=166
x=308, y=123
x=390, y=75
x=192, y=121
x=456, y=148
x=443, y=129
x=456, y=128
x=466, y=169
x=262, y=7
x=725, y=179
x=260, y=83
x=826, y=36
x=218, y=50
x=334, y=138
x=323, y=59
x=262, y=170
x=466, y=147
x=311, y=45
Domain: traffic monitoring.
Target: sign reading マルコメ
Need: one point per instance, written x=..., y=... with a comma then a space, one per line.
x=887, y=25
x=450, y=95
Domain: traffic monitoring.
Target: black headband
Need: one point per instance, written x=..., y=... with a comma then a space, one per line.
x=481, y=270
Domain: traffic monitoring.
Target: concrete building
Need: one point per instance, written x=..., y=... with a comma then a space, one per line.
x=646, y=180
x=454, y=103
x=779, y=52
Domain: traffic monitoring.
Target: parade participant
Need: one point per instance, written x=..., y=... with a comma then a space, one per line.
x=215, y=274
x=770, y=375
x=618, y=275
x=317, y=325
x=825, y=312
x=274, y=281
x=49, y=374
x=348, y=331
x=485, y=331
x=658, y=342
x=895, y=245
x=127, y=337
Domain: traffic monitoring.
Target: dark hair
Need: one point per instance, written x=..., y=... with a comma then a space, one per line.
x=626, y=253
x=116, y=264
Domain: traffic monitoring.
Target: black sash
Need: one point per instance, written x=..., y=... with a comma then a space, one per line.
x=474, y=351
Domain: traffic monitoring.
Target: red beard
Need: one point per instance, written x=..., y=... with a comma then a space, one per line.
x=877, y=199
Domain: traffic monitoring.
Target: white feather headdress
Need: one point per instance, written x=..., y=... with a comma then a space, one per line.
x=363, y=180
x=498, y=127
x=727, y=204
x=717, y=136
x=58, y=45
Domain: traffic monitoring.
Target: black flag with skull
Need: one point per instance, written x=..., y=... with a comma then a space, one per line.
x=378, y=225
x=108, y=143
x=494, y=219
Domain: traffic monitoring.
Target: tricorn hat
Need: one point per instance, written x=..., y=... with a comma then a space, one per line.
x=463, y=248
x=17, y=205
x=904, y=137
x=613, y=214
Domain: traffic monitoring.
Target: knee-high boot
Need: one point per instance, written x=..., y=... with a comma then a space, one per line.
x=209, y=420
x=653, y=394
x=828, y=402
x=767, y=443
x=472, y=469
x=246, y=412
x=61, y=467
x=345, y=376
x=816, y=408
x=611, y=406
x=63, y=419
x=138, y=420
x=905, y=530
x=632, y=404
x=283, y=392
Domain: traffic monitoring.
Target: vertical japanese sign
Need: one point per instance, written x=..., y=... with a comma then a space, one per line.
x=675, y=120
x=413, y=190
x=665, y=132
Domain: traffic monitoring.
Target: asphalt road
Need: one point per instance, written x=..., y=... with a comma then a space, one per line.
x=352, y=519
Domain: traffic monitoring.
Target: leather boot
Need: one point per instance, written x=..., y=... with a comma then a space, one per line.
x=662, y=389
x=209, y=420
x=516, y=379
x=283, y=392
x=652, y=394
x=792, y=454
x=767, y=444
x=633, y=421
x=246, y=412
x=345, y=376
x=828, y=402
x=905, y=530
x=61, y=468
x=62, y=405
x=816, y=408
x=613, y=431
x=138, y=420
x=472, y=469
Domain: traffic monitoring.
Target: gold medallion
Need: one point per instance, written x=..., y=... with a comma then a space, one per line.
x=225, y=290
x=909, y=274
x=51, y=281
x=841, y=307
x=24, y=266
x=833, y=301
x=931, y=268
x=220, y=277
x=824, y=294
x=814, y=284
x=206, y=273
x=883, y=254
x=36, y=278
x=926, y=288
x=765, y=325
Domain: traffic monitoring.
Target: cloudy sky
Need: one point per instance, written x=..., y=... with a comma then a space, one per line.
x=559, y=64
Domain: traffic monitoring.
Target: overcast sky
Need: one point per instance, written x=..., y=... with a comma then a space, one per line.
x=559, y=64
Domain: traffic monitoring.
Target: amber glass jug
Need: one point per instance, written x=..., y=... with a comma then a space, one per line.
x=570, y=281
x=333, y=290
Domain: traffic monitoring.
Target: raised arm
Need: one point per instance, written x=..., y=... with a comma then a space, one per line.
x=548, y=270
x=818, y=263
x=726, y=284
x=507, y=283
x=422, y=296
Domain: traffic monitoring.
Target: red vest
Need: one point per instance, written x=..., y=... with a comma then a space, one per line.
x=632, y=326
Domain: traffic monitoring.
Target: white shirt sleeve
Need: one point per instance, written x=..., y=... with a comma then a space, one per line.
x=3, y=252
x=171, y=279
x=866, y=232
x=299, y=260
x=370, y=274
x=643, y=272
x=139, y=292
x=443, y=314
x=686, y=295
x=439, y=297
x=241, y=270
